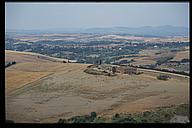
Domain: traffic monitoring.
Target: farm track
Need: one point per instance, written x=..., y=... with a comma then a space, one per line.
x=27, y=86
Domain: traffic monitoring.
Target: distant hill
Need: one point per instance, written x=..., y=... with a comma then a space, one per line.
x=143, y=31
x=159, y=31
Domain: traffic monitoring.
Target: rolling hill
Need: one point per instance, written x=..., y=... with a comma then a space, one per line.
x=42, y=91
x=157, y=31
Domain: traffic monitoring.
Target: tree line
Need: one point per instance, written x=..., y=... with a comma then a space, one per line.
x=10, y=63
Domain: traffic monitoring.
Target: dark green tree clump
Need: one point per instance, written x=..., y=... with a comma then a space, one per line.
x=9, y=64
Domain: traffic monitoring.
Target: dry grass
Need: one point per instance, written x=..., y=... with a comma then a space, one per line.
x=181, y=55
x=17, y=79
x=29, y=57
x=143, y=61
x=70, y=90
x=148, y=52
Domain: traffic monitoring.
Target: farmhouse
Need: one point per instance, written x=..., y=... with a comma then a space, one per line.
x=113, y=69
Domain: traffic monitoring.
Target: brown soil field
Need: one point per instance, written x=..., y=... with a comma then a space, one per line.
x=181, y=55
x=175, y=39
x=143, y=61
x=148, y=57
x=44, y=92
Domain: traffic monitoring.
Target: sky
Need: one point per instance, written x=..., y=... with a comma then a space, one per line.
x=26, y=16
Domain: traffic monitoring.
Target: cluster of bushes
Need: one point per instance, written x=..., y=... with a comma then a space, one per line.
x=151, y=66
x=123, y=118
x=163, y=77
x=9, y=64
x=164, y=70
x=124, y=62
x=92, y=118
x=173, y=71
x=159, y=115
x=163, y=60
x=94, y=72
x=90, y=70
x=185, y=60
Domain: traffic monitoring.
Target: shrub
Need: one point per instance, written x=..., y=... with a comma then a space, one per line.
x=99, y=120
x=185, y=60
x=163, y=60
x=61, y=121
x=93, y=114
x=13, y=62
x=113, y=70
x=116, y=115
x=163, y=77
x=146, y=113
x=77, y=119
x=126, y=119
x=8, y=64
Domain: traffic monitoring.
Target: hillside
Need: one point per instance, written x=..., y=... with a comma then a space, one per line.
x=29, y=57
x=40, y=90
x=159, y=31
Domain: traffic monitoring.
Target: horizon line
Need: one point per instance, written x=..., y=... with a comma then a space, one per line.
x=96, y=27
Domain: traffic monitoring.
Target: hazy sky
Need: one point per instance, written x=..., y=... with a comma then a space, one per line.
x=86, y=15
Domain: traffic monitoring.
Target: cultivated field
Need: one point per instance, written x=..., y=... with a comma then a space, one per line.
x=181, y=55
x=42, y=91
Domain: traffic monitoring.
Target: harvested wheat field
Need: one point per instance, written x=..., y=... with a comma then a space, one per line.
x=43, y=91
x=180, y=55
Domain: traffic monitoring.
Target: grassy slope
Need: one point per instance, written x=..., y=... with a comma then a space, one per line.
x=76, y=91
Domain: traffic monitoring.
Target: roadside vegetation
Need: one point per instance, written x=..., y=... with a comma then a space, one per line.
x=158, y=115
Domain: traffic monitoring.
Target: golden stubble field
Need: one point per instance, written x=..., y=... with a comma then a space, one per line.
x=43, y=92
x=181, y=55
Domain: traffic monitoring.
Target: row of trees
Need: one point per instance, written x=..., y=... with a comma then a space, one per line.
x=80, y=119
x=164, y=70
x=10, y=63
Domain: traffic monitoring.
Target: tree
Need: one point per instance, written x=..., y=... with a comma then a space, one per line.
x=100, y=62
x=93, y=114
x=13, y=62
x=113, y=70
